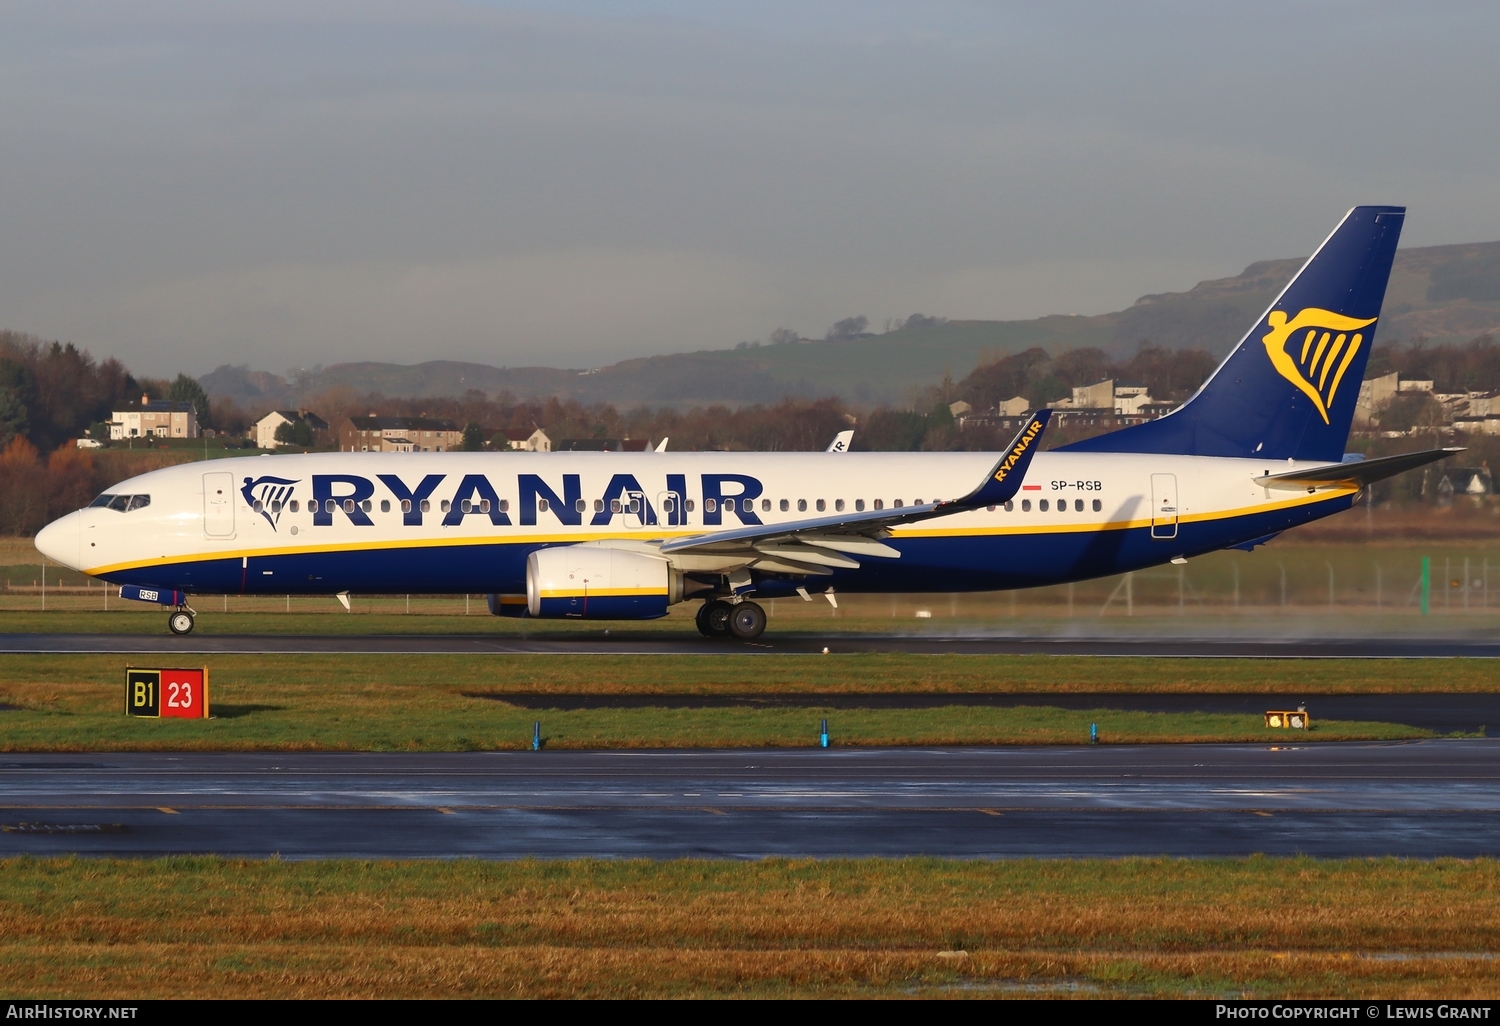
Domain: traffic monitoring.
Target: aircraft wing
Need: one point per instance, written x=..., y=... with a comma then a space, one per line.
x=815, y=545
x=1358, y=473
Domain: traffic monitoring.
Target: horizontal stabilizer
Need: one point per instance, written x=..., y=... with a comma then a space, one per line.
x=1358, y=474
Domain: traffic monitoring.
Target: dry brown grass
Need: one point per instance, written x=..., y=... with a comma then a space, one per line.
x=1257, y=927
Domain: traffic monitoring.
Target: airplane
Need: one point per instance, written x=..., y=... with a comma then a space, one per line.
x=1258, y=449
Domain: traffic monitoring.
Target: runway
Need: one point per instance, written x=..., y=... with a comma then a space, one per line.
x=640, y=643
x=1420, y=799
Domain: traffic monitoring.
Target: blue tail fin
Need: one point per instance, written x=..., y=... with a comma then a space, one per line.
x=1288, y=389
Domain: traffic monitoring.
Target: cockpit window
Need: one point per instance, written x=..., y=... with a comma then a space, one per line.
x=121, y=503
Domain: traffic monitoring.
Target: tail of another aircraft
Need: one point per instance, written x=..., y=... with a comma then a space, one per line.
x=1288, y=389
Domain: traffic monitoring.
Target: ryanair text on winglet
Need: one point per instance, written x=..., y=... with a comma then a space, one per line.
x=1029, y=436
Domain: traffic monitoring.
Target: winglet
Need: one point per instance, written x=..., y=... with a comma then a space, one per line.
x=1004, y=479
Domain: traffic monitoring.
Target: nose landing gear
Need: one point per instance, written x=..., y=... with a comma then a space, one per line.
x=181, y=620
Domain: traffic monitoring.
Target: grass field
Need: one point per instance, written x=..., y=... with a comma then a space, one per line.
x=457, y=703
x=1258, y=927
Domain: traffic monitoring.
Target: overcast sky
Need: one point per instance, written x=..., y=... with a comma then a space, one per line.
x=283, y=184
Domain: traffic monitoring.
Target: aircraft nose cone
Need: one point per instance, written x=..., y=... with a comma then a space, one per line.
x=59, y=540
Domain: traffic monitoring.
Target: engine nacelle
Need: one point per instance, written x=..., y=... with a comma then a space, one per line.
x=589, y=582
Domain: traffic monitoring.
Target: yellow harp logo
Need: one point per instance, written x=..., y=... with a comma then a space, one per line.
x=1313, y=349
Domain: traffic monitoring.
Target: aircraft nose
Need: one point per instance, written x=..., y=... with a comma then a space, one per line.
x=59, y=540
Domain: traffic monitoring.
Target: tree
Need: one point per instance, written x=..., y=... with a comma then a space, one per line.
x=473, y=438
x=295, y=432
x=187, y=390
x=849, y=327
x=917, y=320
x=785, y=337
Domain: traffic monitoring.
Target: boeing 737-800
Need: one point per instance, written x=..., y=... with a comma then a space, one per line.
x=620, y=536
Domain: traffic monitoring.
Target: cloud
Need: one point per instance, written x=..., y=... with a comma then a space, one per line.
x=576, y=183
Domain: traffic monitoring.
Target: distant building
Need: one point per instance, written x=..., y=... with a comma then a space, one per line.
x=603, y=445
x=1015, y=407
x=399, y=434
x=265, y=428
x=164, y=418
x=959, y=409
x=526, y=440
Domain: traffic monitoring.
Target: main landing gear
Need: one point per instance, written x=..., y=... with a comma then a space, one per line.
x=181, y=620
x=720, y=619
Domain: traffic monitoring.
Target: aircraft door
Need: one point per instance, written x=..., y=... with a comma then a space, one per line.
x=669, y=511
x=218, y=505
x=633, y=509
x=1164, y=506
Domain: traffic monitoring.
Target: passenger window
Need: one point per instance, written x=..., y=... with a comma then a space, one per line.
x=614, y=505
x=542, y=505
x=990, y=508
x=581, y=505
x=348, y=505
x=275, y=506
x=504, y=505
x=1098, y=505
x=765, y=505
x=838, y=505
x=1010, y=505
x=447, y=505
x=484, y=505
x=859, y=505
x=256, y=505
x=365, y=505
x=406, y=505
x=426, y=506
x=728, y=505
x=880, y=504
x=330, y=506
x=785, y=505
x=1042, y=505
x=709, y=505
x=1025, y=505
x=690, y=505
x=1077, y=505
x=294, y=505
x=598, y=505
x=896, y=504
x=385, y=505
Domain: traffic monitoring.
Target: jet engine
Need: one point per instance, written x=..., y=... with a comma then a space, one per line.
x=589, y=582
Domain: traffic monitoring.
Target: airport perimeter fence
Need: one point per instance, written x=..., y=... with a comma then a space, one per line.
x=1405, y=580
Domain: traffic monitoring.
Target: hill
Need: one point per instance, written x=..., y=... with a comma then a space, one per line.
x=1446, y=293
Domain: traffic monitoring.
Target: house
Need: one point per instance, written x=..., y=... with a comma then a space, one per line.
x=164, y=418
x=265, y=428
x=604, y=445
x=399, y=434
x=526, y=440
x=1013, y=407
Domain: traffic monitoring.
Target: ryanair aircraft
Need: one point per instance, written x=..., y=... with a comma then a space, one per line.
x=623, y=536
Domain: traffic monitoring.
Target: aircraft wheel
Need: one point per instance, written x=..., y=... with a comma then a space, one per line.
x=702, y=619
x=747, y=621
x=181, y=622
x=713, y=619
